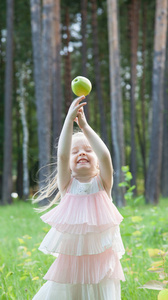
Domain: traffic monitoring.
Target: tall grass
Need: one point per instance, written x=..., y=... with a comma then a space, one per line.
x=22, y=266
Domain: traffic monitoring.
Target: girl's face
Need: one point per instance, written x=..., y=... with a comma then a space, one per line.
x=83, y=160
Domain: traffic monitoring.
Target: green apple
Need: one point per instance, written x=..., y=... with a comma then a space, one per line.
x=163, y=295
x=81, y=86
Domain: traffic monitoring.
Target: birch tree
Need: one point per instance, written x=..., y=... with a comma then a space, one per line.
x=116, y=100
x=25, y=135
x=155, y=155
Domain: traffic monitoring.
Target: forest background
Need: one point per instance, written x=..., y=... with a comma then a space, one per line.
x=121, y=47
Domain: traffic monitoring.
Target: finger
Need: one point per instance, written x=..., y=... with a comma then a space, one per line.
x=81, y=109
x=77, y=122
x=79, y=114
x=81, y=105
x=78, y=100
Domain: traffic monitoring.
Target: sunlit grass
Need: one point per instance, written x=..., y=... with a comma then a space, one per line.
x=143, y=227
x=22, y=265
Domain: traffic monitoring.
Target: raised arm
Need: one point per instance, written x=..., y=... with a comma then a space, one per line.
x=101, y=150
x=64, y=144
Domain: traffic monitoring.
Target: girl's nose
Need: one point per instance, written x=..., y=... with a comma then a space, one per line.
x=82, y=152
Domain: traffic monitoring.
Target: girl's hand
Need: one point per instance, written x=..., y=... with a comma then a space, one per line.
x=81, y=119
x=75, y=107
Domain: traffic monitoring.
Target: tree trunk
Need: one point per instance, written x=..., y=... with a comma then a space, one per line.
x=25, y=137
x=47, y=60
x=1, y=111
x=155, y=155
x=116, y=101
x=41, y=103
x=7, y=162
x=98, y=73
x=67, y=63
x=141, y=130
x=19, y=179
x=143, y=112
x=56, y=74
x=134, y=25
x=164, y=173
x=84, y=48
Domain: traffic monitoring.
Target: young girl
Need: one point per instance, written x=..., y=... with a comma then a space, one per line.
x=85, y=231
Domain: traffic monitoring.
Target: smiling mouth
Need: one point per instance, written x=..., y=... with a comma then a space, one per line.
x=83, y=161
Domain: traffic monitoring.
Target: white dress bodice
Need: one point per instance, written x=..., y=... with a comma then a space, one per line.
x=85, y=188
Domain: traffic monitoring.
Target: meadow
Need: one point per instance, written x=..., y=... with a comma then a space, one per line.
x=22, y=265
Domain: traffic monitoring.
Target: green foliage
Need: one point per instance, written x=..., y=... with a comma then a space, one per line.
x=130, y=200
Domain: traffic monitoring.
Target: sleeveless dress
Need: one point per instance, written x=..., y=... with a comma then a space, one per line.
x=85, y=237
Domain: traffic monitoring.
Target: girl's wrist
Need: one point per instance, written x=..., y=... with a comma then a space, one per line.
x=69, y=118
x=85, y=126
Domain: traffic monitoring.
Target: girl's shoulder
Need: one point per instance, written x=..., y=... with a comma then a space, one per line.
x=67, y=188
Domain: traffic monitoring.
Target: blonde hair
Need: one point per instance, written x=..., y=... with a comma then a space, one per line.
x=50, y=185
x=47, y=191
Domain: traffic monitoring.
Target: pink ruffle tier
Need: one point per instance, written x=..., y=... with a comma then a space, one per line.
x=85, y=269
x=78, y=214
x=85, y=232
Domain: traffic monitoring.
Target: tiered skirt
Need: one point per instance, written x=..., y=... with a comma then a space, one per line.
x=85, y=237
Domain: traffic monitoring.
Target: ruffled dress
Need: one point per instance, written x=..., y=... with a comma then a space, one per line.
x=85, y=237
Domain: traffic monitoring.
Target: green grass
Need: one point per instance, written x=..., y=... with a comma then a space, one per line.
x=22, y=265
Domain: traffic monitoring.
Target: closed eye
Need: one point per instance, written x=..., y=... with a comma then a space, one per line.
x=88, y=150
x=74, y=152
